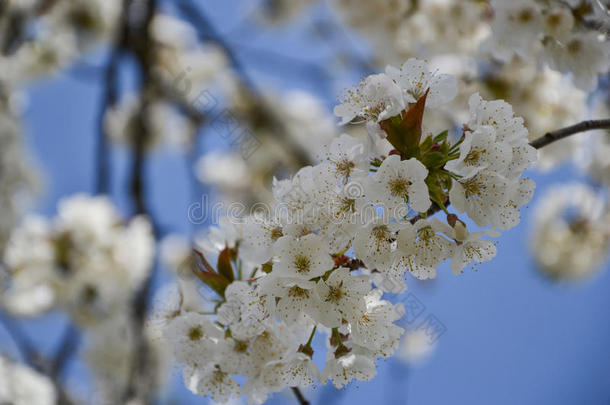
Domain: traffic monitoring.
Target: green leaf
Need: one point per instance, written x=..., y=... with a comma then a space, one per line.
x=433, y=160
x=441, y=137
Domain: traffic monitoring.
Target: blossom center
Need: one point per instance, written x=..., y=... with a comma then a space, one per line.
x=240, y=346
x=334, y=294
x=302, y=264
x=298, y=292
x=474, y=157
x=347, y=205
x=472, y=188
x=426, y=233
x=276, y=233
x=381, y=233
x=399, y=186
x=195, y=333
x=345, y=166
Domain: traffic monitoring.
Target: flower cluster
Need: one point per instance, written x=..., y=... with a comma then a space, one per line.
x=571, y=235
x=17, y=179
x=339, y=234
x=57, y=32
x=85, y=260
x=556, y=32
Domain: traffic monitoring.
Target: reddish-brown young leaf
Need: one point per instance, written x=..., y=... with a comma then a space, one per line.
x=224, y=266
x=404, y=132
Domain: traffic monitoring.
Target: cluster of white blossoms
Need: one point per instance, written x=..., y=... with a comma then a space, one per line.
x=561, y=34
x=85, y=260
x=20, y=385
x=17, y=179
x=571, y=235
x=339, y=235
x=40, y=37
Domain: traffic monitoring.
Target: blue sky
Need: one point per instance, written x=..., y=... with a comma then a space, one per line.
x=512, y=336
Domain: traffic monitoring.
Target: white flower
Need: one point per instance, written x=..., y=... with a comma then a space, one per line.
x=357, y=364
x=508, y=214
x=297, y=301
x=377, y=98
x=583, y=54
x=499, y=115
x=480, y=196
x=244, y=310
x=20, y=385
x=480, y=150
x=342, y=297
x=298, y=370
x=571, y=236
x=524, y=156
x=423, y=248
x=227, y=233
x=192, y=336
x=87, y=218
x=375, y=329
x=558, y=22
x=415, y=347
x=516, y=27
x=415, y=78
x=210, y=379
x=343, y=210
x=375, y=246
x=470, y=247
x=259, y=236
x=396, y=183
x=347, y=157
x=233, y=357
x=294, y=198
x=303, y=258
x=85, y=258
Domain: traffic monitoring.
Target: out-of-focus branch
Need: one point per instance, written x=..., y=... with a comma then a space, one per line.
x=207, y=32
x=299, y=395
x=33, y=358
x=14, y=32
x=584, y=126
x=141, y=44
x=109, y=100
x=434, y=208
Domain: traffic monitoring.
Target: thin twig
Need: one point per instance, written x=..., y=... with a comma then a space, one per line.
x=299, y=395
x=551, y=137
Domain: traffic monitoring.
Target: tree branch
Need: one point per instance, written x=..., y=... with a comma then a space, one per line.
x=299, y=395
x=110, y=99
x=551, y=137
x=140, y=43
x=264, y=113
